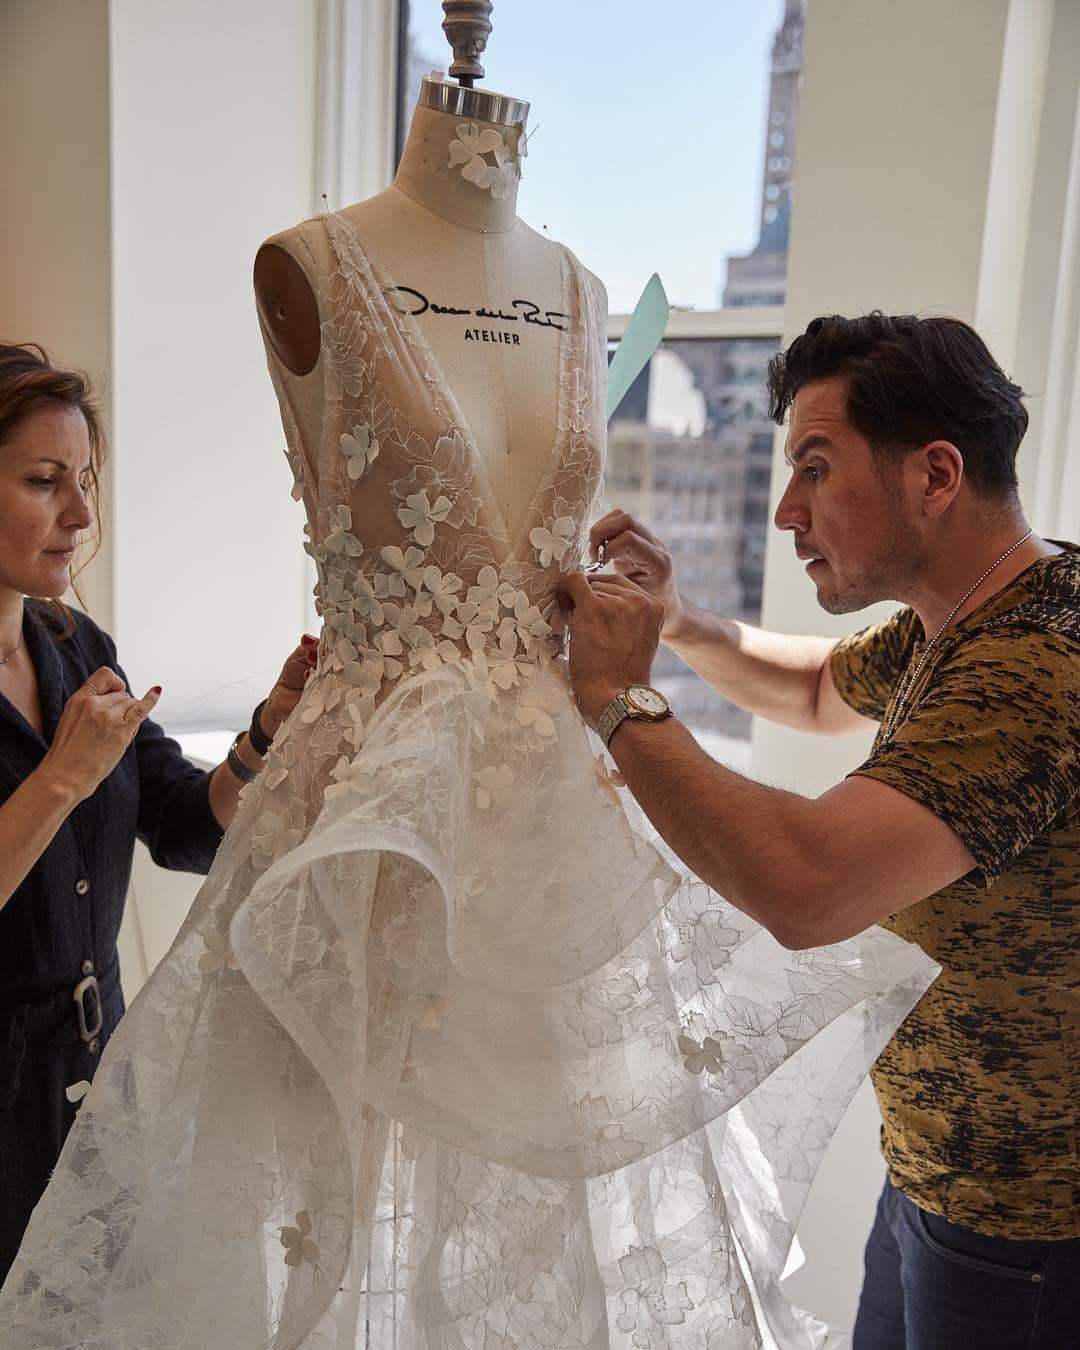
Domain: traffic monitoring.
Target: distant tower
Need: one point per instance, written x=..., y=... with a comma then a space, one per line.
x=759, y=277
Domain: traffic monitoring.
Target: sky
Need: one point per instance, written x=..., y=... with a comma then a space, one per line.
x=649, y=129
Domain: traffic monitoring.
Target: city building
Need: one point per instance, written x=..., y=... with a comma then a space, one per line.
x=690, y=449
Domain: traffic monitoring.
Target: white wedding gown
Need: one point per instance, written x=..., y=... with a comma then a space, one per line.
x=450, y=1054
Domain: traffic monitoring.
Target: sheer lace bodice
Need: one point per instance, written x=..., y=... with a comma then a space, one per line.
x=450, y=1053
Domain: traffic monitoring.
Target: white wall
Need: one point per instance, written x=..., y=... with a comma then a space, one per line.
x=213, y=134
x=55, y=217
x=921, y=132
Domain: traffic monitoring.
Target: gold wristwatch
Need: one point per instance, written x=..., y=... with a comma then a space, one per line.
x=640, y=702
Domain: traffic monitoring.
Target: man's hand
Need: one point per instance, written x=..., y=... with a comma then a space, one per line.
x=637, y=554
x=614, y=632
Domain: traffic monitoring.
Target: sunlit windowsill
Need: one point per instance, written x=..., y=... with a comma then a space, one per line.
x=735, y=321
x=204, y=748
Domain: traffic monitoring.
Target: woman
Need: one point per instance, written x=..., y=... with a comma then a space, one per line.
x=83, y=773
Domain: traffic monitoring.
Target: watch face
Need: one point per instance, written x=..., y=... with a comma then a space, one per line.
x=647, y=700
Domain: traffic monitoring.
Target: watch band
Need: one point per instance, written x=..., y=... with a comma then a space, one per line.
x=623, y=706
x=613, y=716
x=237, y=766
x=260, y=742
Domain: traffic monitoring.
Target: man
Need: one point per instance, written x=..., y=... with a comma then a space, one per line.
x=961, y=832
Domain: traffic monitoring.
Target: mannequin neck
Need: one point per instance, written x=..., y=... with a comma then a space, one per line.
x=425, y=173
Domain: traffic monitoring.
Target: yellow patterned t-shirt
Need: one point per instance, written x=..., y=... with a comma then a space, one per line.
x=980, y=1087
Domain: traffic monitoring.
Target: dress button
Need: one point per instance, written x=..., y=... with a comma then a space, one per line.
x=92, y=1046
x=82, y=886
x=88, y=967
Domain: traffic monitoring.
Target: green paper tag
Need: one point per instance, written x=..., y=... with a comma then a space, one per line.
x=643, y=335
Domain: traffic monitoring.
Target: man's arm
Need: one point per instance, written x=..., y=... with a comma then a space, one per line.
x=812, y=871
x=782, y=677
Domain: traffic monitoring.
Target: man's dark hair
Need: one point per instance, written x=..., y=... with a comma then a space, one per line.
x=911, y=381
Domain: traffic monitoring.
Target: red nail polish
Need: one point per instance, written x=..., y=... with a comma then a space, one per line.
x=156, y=689
x=309, y=641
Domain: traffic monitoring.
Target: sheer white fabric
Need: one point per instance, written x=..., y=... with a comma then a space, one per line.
x=449, y=1054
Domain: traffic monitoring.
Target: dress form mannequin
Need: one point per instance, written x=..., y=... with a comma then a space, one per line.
x=448, y=244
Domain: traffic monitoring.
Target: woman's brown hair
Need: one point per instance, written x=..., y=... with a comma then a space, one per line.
x=28, y=383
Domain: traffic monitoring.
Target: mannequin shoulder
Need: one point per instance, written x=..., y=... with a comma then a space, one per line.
x=596, y=290
x=286, y=270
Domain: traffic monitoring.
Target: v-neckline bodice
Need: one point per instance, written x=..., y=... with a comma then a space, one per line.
x=434, y=378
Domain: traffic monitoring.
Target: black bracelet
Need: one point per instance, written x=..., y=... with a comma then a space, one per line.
x=260, y=741
x=237, y=765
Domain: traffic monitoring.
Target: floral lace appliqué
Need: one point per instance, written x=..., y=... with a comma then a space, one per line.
x=485, y=159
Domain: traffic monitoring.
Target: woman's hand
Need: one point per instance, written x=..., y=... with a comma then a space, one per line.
x=285, y=695
x=99, y=722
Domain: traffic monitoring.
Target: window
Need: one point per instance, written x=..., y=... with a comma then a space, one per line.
x=634, y=182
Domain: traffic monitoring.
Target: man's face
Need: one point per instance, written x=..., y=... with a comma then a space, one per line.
x=850, y=519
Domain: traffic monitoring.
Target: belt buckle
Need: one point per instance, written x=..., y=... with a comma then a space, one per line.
x=85, y=986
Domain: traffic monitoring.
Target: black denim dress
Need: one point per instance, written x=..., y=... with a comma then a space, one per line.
x=60, y=994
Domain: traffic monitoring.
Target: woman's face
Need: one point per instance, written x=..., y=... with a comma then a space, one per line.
x=44, y=469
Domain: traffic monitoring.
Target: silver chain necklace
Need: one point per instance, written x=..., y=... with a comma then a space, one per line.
x=5, y=659
x=909, y=684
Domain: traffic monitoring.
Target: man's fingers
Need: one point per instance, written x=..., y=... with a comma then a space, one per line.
x=630, y=550
x=615, y=585
x=576, y=586
x=616, y=523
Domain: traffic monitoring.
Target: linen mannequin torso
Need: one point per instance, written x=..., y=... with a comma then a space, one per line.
x=449, y=243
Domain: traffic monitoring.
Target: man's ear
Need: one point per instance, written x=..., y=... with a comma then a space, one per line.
x=942, y=468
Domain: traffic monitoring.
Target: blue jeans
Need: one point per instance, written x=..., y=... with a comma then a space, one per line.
x=932, y=1285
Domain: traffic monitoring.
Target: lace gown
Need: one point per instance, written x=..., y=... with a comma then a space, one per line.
x=449, y=1054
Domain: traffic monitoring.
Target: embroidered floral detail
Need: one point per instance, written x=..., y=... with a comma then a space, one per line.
x=609, y=779
x=218, y=954
x=421, y=516
x=360, y=449
x=490, y=591
x=494, y=785
x=365, y=602
x=407, y=567
x=442, y=587
x=599, y=1014
x=296, y=464
x=280, y=760
x=274, y=836
x=432, y=655
x=595, y=1116
x=77, y=1091
x=317, y=551
x=470, y=622
x=644, y=1269
x=532, y=628
x=320, y=700
x=402, y=628
x=485, y=159
x=355, y=713
x=552, y=544
x=538, y=708
x=405, y=939
x=704, y=1058
x=349, y=776
x=299, y=1246
x=341, y=539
